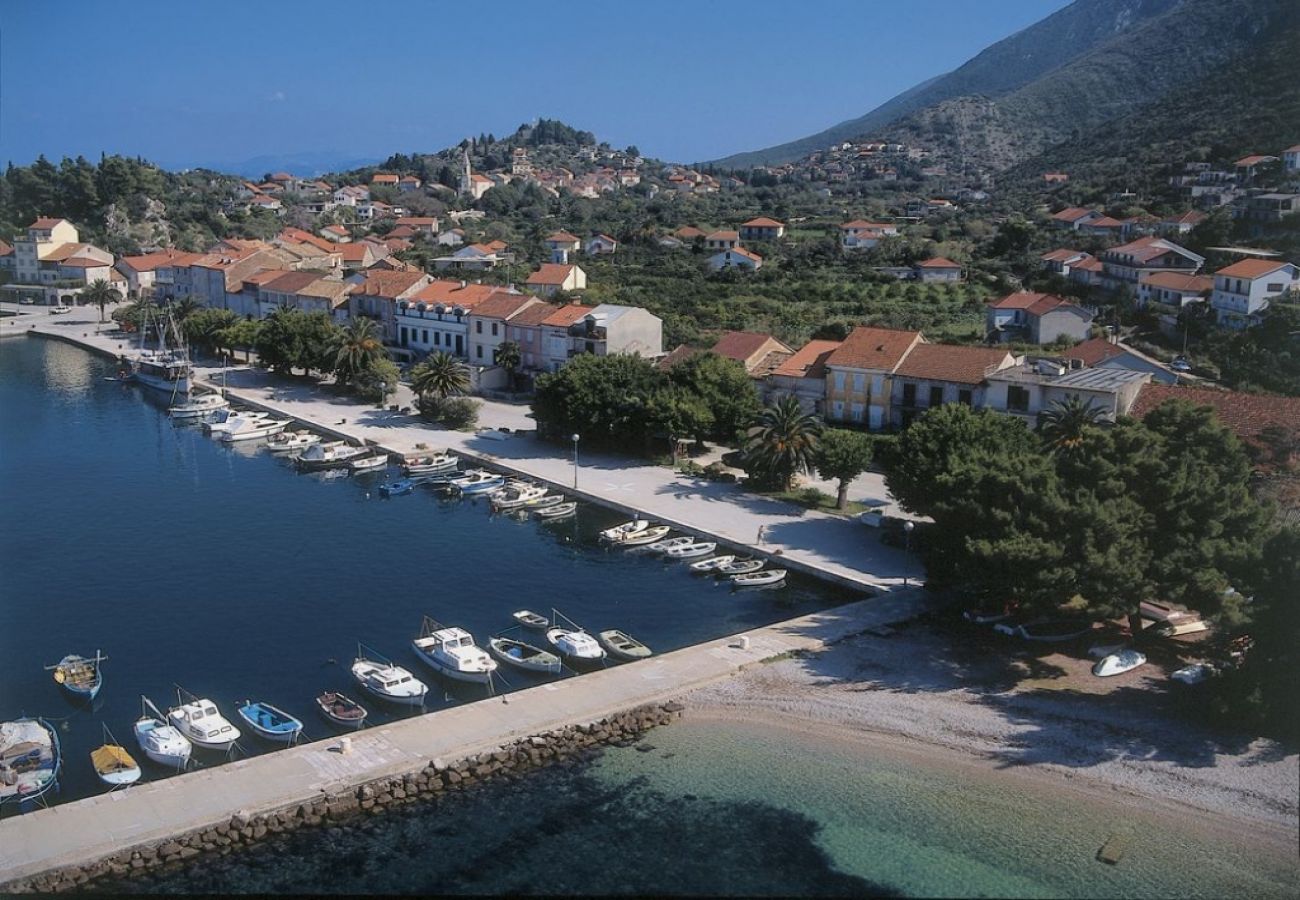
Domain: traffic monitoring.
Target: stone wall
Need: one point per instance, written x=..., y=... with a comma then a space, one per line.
x=369, y=799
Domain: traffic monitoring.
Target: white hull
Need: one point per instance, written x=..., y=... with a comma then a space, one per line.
x=253, y=434
x=171, y=760
x=416, y=700
x=179, y=386
x=449, y=671
x=118, y=779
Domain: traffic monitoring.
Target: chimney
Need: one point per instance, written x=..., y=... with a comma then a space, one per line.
x=463, y=283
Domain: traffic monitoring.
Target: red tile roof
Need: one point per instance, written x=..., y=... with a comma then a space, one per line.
x=946, y=362
x=1253, y=160
x=1021, y=300
x=723, y=236
x=381, y=283
x=938, y=262
x=502, y=305
x=762, y=222
x=532, y=316
x=456, y=293
x=1246, y=415
x=1177, y=281
x=563, y=237
x=45, y=224
x=747, y=254
x=688, y=232
x=1252, y=268
x=1073, y=214
x=1188, y=218
x=84, y=262
x=1063, y=255
x=742, y=345
x=1094, y=351
x=551, y=274
x=150, y=261
x=809, y=361
x=291, y=282
x=565, y=316
x=873, y=348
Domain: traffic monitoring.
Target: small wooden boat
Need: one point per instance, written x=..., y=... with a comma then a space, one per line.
x=368, y=463
x=712, y=564
x=627, y=528
x=530, y=619
x=669, y=543
x=691, y=551
x=641, y=538
x=329, y=455
x=559, y=511
x=575, y=645
x=286, y=441
x=161, y=742
x=623, y=645
x=545, y=502
x=740, y=567
x=113, y=765
x=341, y=710
x=80, y=677
x=1119, y=663
x=523, y=656
x=397, y=488
x=270, y=723
x=754, y=579
x=431, y=465
x=30, y=759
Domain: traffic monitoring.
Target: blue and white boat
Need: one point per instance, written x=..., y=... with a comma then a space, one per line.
x=480, y=483
x=269, y=722
x=79, y=677
x=29, y=760
x=397, y=488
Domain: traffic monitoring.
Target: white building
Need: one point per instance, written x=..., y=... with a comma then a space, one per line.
x=1242, y=291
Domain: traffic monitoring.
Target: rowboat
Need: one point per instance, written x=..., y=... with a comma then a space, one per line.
x=669, y=543
x=1119, y=663
x=575, y=645
x=161, y=742
x=621, y=531
x=623, y=646
x=740, y=567
x=368, y=463
x=79, y=676
x=388, y=682
x=429, y=465
x=712, y=564
x=397, y=488
x=518, y=495
x=291, y=440
x=641, y=538
x=545, y=502
x=530, y=619
x=523, y=656
x=341, y=710
x=559, y=511
x=270, y=723
x=754, y=579
x=29, y=759
x=451, y=651
x=691, y=551
x=113, y=765
x=202, y=723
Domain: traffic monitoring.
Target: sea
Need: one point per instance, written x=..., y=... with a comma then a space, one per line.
x=221, y=570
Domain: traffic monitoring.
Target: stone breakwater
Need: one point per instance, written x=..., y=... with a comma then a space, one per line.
x=421, y=785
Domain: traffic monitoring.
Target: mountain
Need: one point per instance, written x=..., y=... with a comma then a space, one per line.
x=1009, y=64
x=308, y=164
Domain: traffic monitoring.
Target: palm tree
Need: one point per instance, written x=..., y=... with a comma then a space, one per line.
x=101, y=293
x=783, y=442
x=183, y=308
x=1066, y=424
x=439, y=377
x=358, y=346
x=508, y=357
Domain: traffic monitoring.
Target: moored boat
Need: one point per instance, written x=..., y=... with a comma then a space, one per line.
x=197, y=407
x=387, y=681
x=397, y=488
x=530, y=619
x=342, y=711
x=641, y=538
x=692, y=550
x=431, y=465
x=523, y=656
x=368, y=463
x=161, y=742
x=623, y=645
x=1119, y=663
x=270, y=723
x=480, y=483
x=558, y=511
x=328, y=455
x=29, y=760
x=167, y=367
x=113, y=765
x=712, y=564
x=667, y=544
x=754, y=579
x=1055, y=631
x=545, y=502
x=244, y=429
x=451, y=651
x=80, y=677
x=575, y=645
x=740, y=567
x=627, y=528
x=517, y=495
x=201, y=723
x=227, y=418
x=287, y=441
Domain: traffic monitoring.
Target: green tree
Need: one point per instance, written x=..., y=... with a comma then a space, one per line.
x=357, y=347
x=183, y=308
x=782, y=443
x=603, y=398
x=843, y=455
x=509, y=357
x=378, y=380
x=242, y=335
x=724, y=387
x=289, y=338
x=1066, y=425
x=101, y=293
x=677, y=413
x=204, y=328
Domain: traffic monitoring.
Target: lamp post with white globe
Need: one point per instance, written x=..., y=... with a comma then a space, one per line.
x=575, y=438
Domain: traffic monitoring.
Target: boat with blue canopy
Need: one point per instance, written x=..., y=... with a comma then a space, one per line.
x=269, y=722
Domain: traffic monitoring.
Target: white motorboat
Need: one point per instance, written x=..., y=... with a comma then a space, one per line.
x=623, y=645
x=197, y=407
x=712, y=564
x=524, y=656
x=517, y=496
x=452, y=652
x=669, y=543
x=161, y=742
x=253, y=429
x=368, y=463
x=641, y=538
x=225, y=418
x=432, y=465
x=329, y=455
x=1119, y=663
x=291, y=440
x=530, y=619
x=545, y=502
x=480, y=482
x=627, y=528
x=202, y=724
x=29, y=759
x=754, y=579
x=389, y=682
x=740, y=566
x=692, y=550
x=558, y=511
x=575, y=645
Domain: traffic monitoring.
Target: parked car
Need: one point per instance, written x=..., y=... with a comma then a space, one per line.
x=1180, y=364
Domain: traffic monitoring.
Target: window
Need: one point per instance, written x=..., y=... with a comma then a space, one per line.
x=494, y=329
x=964, y=397
x=478, y=327
x=839, y=381
x=855, y=412
x=877, y=385
x=479, y=352
x=909, y=395
x=859, y=382
x=424, y=334
x=1275, y=288
x=936, y=395
x=1017, y=398
x=403, y=335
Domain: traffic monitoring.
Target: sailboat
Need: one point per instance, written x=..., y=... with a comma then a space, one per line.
x=166, y=368
x=113, y=765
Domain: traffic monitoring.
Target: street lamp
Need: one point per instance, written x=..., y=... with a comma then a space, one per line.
x=575, y=438
x=383, y=392
x=908, y=527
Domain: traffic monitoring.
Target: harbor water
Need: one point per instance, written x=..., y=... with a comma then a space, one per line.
x=219, y=568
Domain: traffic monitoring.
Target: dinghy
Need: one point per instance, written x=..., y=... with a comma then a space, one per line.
x=114, y=766
x=693, y=550
x=530, y=619
x=368, y=463
x=575, y=646
x=669, y=543
x=712, y=564
x=754, y=579
x=29, y=759
x=161, y=742
x=78, y=676
x=623, y=645
x=641, y=538
x=523, y=656
x=740, y=566
x=201, y=723
x=624, y=530
x=387, y=681
x=452, y=652
x=1119, y=663
x=397, y=488
x=559, y=511
x=270, y=723
x=341, y=710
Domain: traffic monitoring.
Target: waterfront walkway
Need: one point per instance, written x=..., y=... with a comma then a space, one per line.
x=86, y=830
x=828, y=545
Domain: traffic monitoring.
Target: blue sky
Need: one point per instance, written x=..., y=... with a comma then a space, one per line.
x=185, y=83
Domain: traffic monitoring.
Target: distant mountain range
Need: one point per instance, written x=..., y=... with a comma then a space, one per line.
x=1062, y=80
x=304, y=165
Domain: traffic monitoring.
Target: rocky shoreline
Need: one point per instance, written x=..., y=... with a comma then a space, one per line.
x=423, y=785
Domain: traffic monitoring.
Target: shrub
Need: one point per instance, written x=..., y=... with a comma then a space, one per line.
x=460, y=413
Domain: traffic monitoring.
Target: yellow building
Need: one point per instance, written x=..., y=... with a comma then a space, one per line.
x=859, y=375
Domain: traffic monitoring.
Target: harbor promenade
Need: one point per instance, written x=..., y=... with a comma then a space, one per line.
x=86, y=830
x=829, y=546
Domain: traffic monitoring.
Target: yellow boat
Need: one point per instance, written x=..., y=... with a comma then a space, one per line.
x=113, y=764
